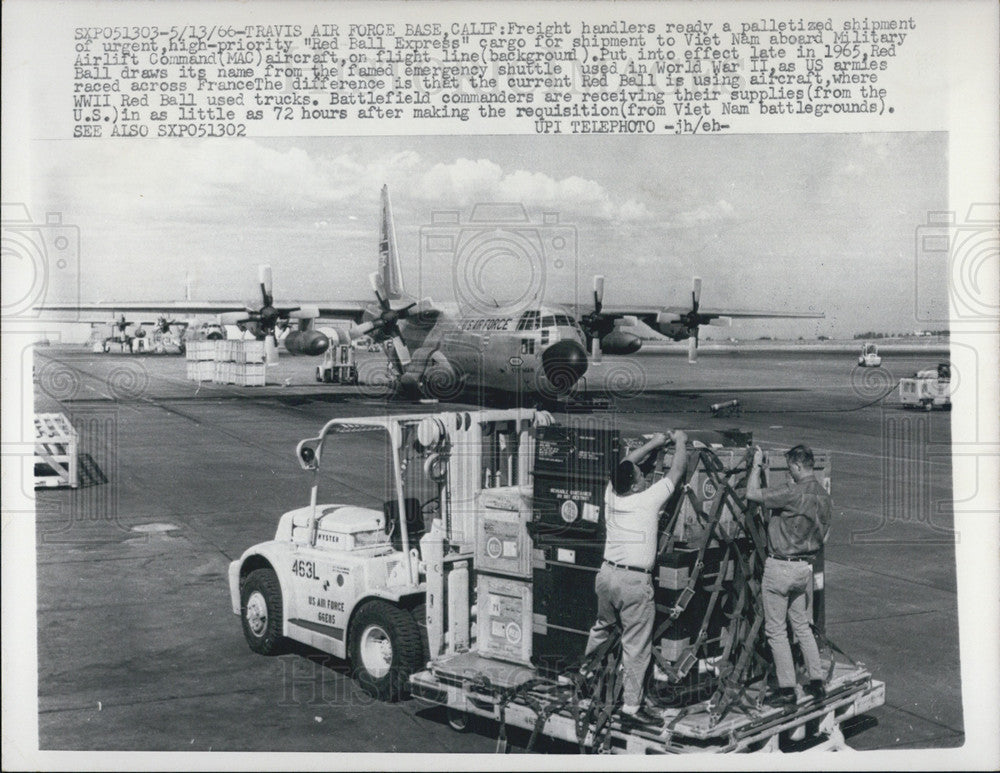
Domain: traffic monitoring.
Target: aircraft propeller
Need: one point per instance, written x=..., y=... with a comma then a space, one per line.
x=694, y=320
x=384, y=327
x=164, y=324
x=605, y=332
x=266, y=319
x=122, y=324
x=690, y=321
x=594, y=324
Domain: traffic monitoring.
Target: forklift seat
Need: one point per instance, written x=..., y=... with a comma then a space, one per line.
x=414, y=521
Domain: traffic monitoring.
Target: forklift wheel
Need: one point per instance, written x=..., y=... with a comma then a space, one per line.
x=385, y=648
x=459, y=721
x=261, y=607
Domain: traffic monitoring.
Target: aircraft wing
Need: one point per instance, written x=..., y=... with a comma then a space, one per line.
x=705, y=311
x=347, y=310
x=190, y=308
x=651, y=314
x=604, y=326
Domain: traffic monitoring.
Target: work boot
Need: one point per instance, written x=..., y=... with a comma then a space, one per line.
x=815, y=688
x=642, y=718
x=781, y=698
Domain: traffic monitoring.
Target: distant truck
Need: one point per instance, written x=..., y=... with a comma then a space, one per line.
x=869, y=357
x=927, y=389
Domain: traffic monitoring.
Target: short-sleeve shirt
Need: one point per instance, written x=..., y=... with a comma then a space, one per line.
x=632, y=524
x=800, y=517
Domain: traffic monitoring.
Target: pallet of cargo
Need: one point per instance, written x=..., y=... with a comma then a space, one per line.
x=470, y=685
x=56, y=445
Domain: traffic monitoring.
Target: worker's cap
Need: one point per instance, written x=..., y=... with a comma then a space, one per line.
x=800, y=454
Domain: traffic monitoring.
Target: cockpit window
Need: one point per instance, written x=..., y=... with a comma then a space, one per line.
x=528, y=321
x=564, y=321
x=548, y=321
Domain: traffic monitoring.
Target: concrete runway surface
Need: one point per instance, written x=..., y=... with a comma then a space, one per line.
x=138, y=648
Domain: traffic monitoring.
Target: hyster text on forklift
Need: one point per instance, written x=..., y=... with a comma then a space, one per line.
x=472, y=586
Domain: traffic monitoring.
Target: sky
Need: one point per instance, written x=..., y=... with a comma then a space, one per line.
x=817, y=222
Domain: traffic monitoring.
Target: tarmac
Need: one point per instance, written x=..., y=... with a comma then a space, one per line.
x=138, y=648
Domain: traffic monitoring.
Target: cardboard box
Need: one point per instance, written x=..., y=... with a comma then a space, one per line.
x=504, y=618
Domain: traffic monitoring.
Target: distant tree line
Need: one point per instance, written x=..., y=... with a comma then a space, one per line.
x=911, y=334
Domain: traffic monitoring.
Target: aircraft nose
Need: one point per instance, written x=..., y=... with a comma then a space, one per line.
x=564, y=363
x=318, y=344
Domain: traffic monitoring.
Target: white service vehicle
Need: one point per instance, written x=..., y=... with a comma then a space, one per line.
x=869, y=357
x=338, y=366
x=350, y=580
x=927, y=389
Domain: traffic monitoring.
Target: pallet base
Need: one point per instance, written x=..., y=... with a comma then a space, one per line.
x=463, y=684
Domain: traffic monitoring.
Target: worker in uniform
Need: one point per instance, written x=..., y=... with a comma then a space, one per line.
x=624, y=582
x=798, y=519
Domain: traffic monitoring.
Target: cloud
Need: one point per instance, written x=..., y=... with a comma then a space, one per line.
x=466, y=182
x=705, y=214
x=255, y=182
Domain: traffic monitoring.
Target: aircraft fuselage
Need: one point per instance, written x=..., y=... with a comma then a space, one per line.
x=541, y=350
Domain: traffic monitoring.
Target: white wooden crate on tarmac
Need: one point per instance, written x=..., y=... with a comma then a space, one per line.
x=249, y=352
x=251, y=374
x=200, y=351
x=56, y=446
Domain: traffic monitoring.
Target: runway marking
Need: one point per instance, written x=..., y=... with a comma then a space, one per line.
x=889, y=617
x=925, y=719
x=893, y=576
x=865, y=455
x=146, y=701
x=102, y=559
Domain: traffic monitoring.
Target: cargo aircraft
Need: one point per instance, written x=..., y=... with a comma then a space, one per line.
x=540, y=348
x=265, y=321
x=438, y=351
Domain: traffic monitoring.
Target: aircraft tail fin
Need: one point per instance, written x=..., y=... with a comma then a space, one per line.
x=390, y=277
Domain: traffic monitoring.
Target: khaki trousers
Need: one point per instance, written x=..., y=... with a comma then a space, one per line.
x=787, y=591
x=625, y=599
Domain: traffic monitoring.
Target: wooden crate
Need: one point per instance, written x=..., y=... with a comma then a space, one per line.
x=56, y=447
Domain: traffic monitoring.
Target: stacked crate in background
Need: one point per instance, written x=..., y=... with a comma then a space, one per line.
x=250, y=364
x=224, y=371
x=200, y=360
x=227, y=362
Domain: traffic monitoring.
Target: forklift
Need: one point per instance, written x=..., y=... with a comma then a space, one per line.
x=338, y=365
x=470, y=585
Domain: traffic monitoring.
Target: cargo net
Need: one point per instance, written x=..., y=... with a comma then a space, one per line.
x=710, y=653
x=708, y=638
x=709, y=648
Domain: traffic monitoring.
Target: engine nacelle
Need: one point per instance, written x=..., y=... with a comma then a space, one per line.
x=308, y=342
x=620, y=342
x=674, y=331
